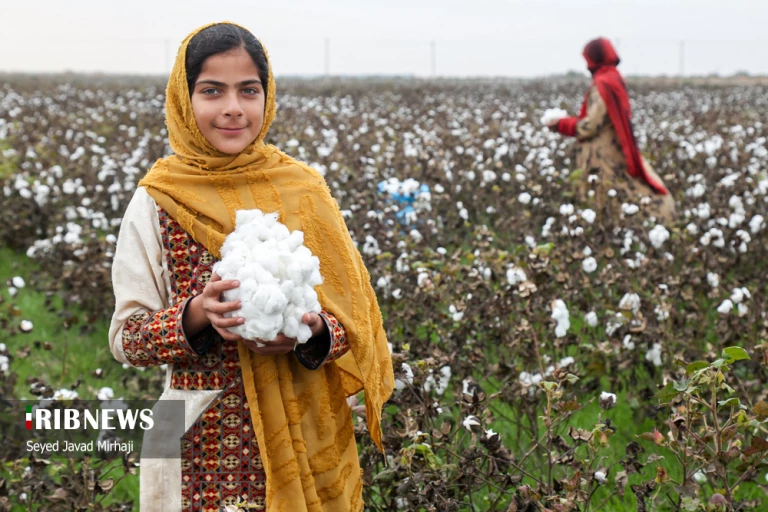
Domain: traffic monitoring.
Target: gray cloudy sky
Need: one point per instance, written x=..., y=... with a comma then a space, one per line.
x=471, y=37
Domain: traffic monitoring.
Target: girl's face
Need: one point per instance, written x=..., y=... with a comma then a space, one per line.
x=228, y=101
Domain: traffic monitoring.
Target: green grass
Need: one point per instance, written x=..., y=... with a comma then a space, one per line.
x=73, y=356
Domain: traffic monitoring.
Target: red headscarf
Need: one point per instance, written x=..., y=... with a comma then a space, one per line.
x=602, y=60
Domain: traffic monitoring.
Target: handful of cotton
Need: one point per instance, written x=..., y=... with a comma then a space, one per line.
x=277, y=275
x=553, y=114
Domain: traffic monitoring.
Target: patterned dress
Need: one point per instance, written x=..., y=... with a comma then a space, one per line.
x=604, y=167
x=220, y=460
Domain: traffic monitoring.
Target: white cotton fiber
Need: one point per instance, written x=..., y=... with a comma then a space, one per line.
x=553, y=114
x=277, y=275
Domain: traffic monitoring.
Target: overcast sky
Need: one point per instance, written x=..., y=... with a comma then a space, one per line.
x=471, y=37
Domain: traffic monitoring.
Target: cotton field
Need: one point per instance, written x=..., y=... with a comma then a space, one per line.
x=531, y=333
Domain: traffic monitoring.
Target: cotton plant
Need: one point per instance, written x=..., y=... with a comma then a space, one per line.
x=277, y=275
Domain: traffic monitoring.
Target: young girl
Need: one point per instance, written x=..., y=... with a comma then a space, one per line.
x=267, y=428
x=608, y=148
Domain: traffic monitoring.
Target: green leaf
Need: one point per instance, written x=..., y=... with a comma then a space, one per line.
x=731, y=402
x=718, y=363
x=691, y=504
x=548, y=385
x=667, y=393
x=571, y=378
x=543, y=249
x=681, y=385
x=386, y=476
x=735, y=354
x=696, y=366
x=727, y=388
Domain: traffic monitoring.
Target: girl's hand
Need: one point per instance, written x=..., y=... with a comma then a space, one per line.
x=284, y=344
x=207, y=309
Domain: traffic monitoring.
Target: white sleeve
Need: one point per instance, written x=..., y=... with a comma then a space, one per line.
x=139, y=275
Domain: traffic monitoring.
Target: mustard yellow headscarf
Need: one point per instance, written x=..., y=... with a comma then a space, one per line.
x=301, y=418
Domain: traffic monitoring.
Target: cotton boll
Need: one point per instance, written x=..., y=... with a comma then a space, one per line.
x=726, y=307
x=277, y=276
x=589, y=265
x=591, y=319
x=658, y=235
x=274, y=300
x=630, y=302
x=654, y=355
x=516, y=275
x=293, y=241
x=607, y=400
x=551, y=115
x=280, y=232
x=304, y=333
x=271, y=219
x=629, y=209
x=589, y=215
x=238, y=259
x=561, y=316
x=287, y=288
x=291, y=327
x=260, y=327
x=310, y=301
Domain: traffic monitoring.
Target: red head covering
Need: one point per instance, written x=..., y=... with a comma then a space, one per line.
x=600, y=52
x=602, y=60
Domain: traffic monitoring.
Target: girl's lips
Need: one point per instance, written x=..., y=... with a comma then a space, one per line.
x=231, y=130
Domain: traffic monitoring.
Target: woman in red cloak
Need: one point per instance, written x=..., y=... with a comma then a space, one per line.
x=609, y=156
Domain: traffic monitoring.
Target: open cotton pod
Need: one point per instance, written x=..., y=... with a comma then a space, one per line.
x=277, y=275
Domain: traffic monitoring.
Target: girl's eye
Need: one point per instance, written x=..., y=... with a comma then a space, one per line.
x=251, y=90
x=209, y=91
